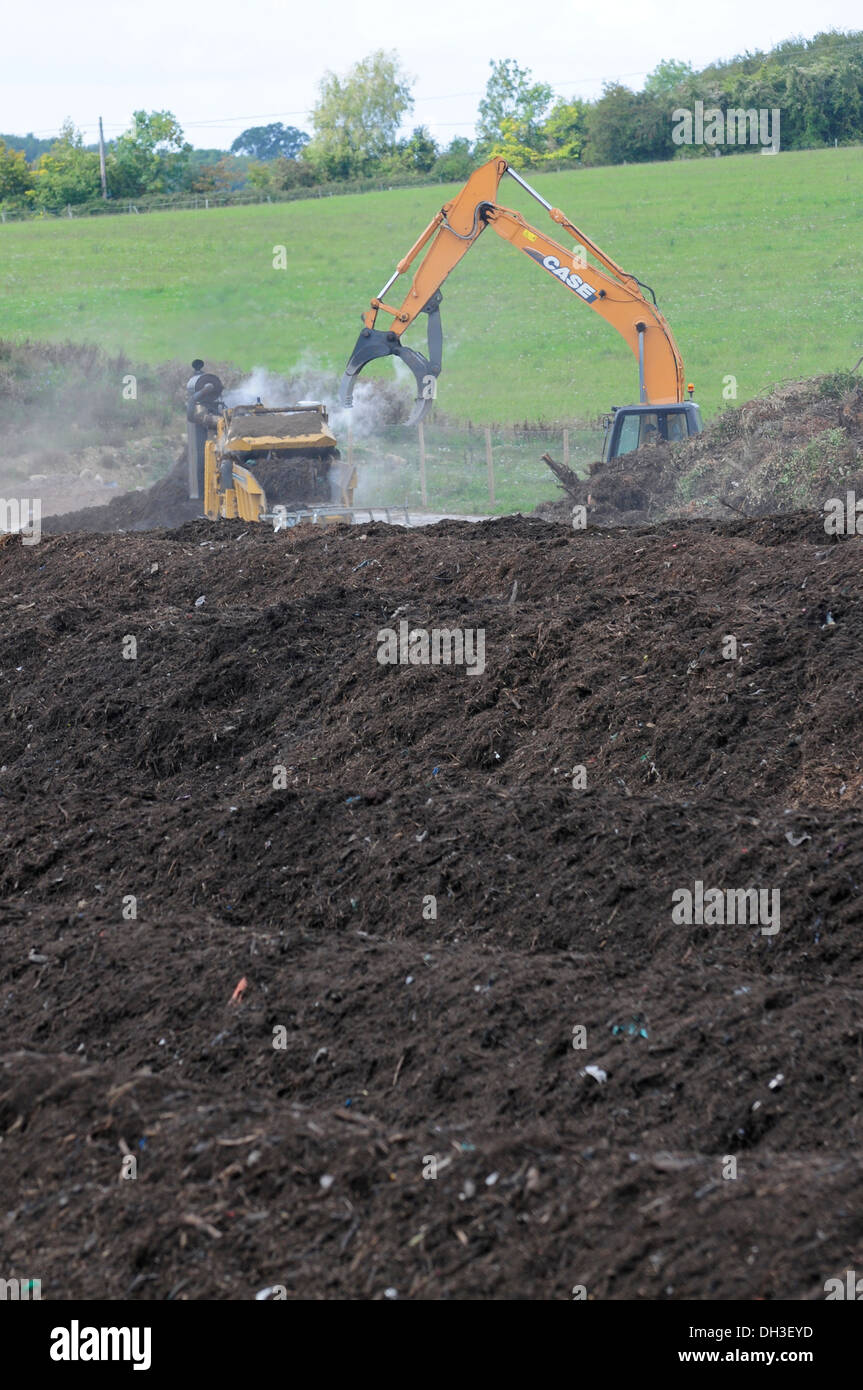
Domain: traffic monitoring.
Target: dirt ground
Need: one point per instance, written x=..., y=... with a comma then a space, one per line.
x=279, y=810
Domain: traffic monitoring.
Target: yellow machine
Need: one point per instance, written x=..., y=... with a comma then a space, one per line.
x=265, y=463
x=261, y=458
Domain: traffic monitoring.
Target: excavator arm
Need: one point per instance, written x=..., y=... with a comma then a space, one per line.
x=605, y=288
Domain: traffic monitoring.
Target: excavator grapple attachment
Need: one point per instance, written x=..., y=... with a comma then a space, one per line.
x=378, y=342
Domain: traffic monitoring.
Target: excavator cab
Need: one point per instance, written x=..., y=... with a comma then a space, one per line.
x=629, y=427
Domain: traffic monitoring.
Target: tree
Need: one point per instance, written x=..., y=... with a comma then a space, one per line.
x=271, y=141
x=224, y=175
x=150, y=157
x=456, y=161
x=627, y=127
x=414, y=156
x=67, y=173
x=279, y=175
x=29, y=144
x=565, y=130
x=510, y=146
x=357, y=118
x=16, y=176
x=667, y=77
x=420, y=152
x=511, y=96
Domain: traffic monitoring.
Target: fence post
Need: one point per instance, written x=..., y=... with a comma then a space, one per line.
x=422, y=439
x=490, y=465
x=566, y=447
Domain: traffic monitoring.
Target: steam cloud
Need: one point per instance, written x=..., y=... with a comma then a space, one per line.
x=378, y=404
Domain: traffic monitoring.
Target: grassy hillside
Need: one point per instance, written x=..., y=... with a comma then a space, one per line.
x=755, y=261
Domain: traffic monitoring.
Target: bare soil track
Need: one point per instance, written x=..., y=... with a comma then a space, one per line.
x=407, y=1038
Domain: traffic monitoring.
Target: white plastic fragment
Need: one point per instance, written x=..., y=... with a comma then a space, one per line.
x=796, y=840
x=596, y=1072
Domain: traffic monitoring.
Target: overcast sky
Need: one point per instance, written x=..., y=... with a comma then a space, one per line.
x=223, y=66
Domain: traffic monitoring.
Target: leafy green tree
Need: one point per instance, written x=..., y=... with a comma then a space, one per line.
x=627, y=127
x=68, y=173
x=16, y=176
x=151, y=157
x=271, y=141
x=414, y=156
x=817, y=84
x=668, y=77
x=224, y=175
x=456, y=161
x=512, y=98
x=357, y=118
x=199, y=166
x=511, y=147
x=420, y=151
x=279, y=175
x=565, y=129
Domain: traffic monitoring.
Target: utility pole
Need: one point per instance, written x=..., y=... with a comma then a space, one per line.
x=102, y=161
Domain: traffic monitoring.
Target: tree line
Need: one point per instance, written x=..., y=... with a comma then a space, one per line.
x=817, y=84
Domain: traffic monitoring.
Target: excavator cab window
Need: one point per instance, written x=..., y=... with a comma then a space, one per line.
x=634, y=426
x=627, y=439
x=675, y=426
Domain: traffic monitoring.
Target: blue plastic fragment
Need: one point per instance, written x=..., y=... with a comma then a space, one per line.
x=633, y=1029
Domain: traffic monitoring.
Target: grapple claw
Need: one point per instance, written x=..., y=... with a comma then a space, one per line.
x=378, y=342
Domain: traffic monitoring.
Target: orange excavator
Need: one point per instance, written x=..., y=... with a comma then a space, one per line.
x=663, y=411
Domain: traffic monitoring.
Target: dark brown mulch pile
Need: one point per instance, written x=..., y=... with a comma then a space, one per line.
x=789, y=451
x=403, y=1037
x=166, y=503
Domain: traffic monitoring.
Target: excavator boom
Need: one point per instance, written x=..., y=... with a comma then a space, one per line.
x=605, y=288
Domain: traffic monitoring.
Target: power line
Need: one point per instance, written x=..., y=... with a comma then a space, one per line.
x=306, y=111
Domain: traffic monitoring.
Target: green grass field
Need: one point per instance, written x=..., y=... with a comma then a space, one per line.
x=756, y=261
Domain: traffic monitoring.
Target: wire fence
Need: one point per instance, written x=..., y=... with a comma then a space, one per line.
x=203, y=202
x=481, y=470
